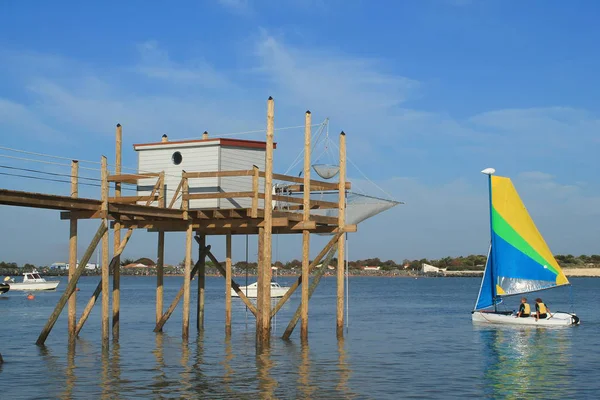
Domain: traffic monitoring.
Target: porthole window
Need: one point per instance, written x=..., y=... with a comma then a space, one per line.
x=177, y=158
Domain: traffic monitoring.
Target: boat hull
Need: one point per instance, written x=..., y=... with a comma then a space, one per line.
x=275, y=292
x=48, y=285
x=4, y=288
x=556, y=319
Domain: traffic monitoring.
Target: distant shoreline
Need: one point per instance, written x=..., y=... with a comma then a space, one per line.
x=569, y=272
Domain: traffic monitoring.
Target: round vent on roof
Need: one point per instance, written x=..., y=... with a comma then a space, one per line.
x=177, y=158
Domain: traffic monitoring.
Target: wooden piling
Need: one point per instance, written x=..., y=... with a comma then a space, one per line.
x=341, y=242
x=234, y=286
x=185, y=328
x=72, y=308
x=305, y=232
x=201, y=283
x=294, y=321
x=228, y=284
x=116, y=294
x=265, y=321
x=160, y=261
x=105, y=270
x=260, y=276
x=312, y=265
x=165, y=317
x=90, y=305
x=72, y=284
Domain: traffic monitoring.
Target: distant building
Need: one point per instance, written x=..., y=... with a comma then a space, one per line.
x=426, y=268
x=135, y=265
x=59, y=265
x=371, y=268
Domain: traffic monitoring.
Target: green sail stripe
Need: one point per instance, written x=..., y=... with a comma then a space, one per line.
x=506, y=232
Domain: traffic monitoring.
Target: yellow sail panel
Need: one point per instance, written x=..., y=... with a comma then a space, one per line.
x=514, y=224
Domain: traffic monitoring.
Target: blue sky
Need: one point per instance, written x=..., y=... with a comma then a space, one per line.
x=429, y=92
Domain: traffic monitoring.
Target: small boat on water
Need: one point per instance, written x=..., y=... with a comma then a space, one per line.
x=31, y=281
x=519, y=260
x=251, y=290
x=4, y=287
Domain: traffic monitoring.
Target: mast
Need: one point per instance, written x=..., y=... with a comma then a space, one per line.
x=489, y=172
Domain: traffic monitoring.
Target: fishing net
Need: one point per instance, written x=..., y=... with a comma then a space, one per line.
x=359, y=207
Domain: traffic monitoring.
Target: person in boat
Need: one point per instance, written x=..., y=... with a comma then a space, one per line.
x=524, y=309
x=541, y=310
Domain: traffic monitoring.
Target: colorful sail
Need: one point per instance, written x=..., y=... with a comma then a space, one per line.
x=486, y=294
x=522, y=261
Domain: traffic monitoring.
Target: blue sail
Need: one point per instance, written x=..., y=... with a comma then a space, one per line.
x=486, y=294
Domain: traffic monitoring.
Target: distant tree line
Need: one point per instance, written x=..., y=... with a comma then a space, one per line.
x=473, y=262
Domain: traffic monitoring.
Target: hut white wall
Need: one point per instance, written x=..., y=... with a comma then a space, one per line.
x=194, y=159
x=240, y=158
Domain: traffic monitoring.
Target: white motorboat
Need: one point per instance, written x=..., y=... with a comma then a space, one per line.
x=250, y=291
x=31, y=281
x=519, y=260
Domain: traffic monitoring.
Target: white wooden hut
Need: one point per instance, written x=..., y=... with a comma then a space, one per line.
x=204, y=155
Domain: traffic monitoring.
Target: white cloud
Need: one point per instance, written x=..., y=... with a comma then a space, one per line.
x=156, y=63
x=442, y=216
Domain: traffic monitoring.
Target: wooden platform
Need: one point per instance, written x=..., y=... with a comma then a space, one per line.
x=152, y=218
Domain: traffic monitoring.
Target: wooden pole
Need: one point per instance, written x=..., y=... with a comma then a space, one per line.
x=265, y=329
x=312, y=265
x=305, y=232
x=167, y=314
x=105, y=270
x=255, y=177
x=116, y=294
x=185, y=329
x=71, y=284
x=311, y=290
x=73, y=253
x=201, y=283
x=88, y=308
x=234, y=285
x=160, y=262
x=341, y=242
x=228, y=284
x=260, y=272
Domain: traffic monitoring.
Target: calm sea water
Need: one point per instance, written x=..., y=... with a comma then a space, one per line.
x=407, y=338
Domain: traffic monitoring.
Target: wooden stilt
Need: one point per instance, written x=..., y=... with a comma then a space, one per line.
x=316, y=279
x=73, y=253
x=186, y=283
x=228, y=284
x=71, y=284
x=201, y=283
x=160, y=262
x=315, y=262
x=260, y=277
x=116, y=294
x=105, y=270
x=234, y=286
x=264, y=334
x=115, y=260
x=341, y=242
x=165, y=317
x=305, y=232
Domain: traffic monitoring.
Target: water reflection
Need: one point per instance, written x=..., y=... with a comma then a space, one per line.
x=186, y=374
x=160, y=378
x=104, y=377
x=344, y=370
x=69, y=372
x=304, y=382
x=264, y=364
x=526, y=362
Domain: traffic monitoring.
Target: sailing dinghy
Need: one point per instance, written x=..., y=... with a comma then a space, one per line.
x=519, y=260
